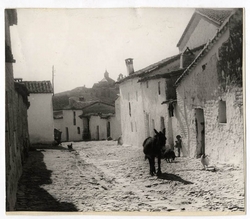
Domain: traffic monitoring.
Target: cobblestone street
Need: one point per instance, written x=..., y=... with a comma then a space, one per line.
x=102, y=176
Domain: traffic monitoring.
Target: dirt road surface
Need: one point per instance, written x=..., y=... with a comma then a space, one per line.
x=101, y=176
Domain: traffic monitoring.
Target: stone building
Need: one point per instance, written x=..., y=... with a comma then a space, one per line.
x=16, y=123
x=148, y=97
x=209, y=93
x=40, y=113
x=196, y=94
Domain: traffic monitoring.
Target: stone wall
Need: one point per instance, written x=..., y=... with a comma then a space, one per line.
x=16, y=137
x=201, y=90
x=16, y=125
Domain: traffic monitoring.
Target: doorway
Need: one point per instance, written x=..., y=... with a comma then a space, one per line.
x=67, y=134
x=200, y=132
x=108, y=129
x=97, y=132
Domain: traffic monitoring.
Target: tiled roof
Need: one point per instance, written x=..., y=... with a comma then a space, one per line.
x=151, y=68
x=38, y=86
x=78, y=105
x=98, y=108
x=164, y=75
x=216, y=15
x=171, y=70
x=204, y=51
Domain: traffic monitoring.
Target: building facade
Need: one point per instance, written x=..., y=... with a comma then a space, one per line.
x=210, y=97
x=196, y=94
x=69, y=123
x=100, y=121
x=40, y=113
x=16, y=122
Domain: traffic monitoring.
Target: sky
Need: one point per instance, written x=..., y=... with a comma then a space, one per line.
x=82, y=44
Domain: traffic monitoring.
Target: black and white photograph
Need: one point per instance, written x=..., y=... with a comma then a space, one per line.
x=125, y=111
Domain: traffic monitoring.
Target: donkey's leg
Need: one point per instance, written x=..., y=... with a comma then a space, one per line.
x=159, y=166
x=153, y=165
x=150, y=166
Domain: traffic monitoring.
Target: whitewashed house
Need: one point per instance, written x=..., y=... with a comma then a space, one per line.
x=100, y=121
x=148, y=98
x=68, y=120
x=40, y=112
x=209, y=92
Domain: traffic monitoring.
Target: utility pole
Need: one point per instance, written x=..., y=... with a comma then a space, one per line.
x=53, y=75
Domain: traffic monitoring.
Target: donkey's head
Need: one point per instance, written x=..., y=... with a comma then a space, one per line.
x=160, y=138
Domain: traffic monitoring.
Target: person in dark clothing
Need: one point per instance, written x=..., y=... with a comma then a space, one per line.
x=178, y=144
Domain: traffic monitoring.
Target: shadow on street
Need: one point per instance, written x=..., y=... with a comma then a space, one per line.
x=30, y=195
x=173, y=177
x=40, y=146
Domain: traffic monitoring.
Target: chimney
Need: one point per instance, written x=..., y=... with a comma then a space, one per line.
x=130, y=67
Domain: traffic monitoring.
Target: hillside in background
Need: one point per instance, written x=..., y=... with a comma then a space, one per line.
x=105, y=90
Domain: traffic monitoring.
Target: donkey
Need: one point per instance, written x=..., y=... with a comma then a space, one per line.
x=152, y=147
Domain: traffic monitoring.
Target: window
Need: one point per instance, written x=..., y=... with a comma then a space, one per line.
x=147, y=84
x=222, y=112
x=74, y=118
x=78, y=130
x=129, y=108
x=136, y=95
x=131, y=126
x=162, y=123
x=171, y=109
x=159, y=87
x=153, y=124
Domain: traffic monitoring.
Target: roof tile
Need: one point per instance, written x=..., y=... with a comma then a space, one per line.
x=217, y=15
x=38, y=86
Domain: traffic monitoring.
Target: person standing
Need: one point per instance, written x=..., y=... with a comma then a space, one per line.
x=178, y=144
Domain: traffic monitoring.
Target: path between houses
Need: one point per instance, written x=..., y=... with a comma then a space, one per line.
x=103, y=176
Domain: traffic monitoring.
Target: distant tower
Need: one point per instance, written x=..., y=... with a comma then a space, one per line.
x=106, y=74
x=130, y=67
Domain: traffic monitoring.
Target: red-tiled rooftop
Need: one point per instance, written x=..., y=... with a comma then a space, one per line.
x=38, y=86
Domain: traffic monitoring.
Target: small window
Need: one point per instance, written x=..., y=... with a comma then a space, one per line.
x=74, y=118
x=78, y=130
x=131, y=126
x=222, y=112
x=147, y=84
x=136, y=95
x=153, y=124
x=129, y=108
x=159, y=87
